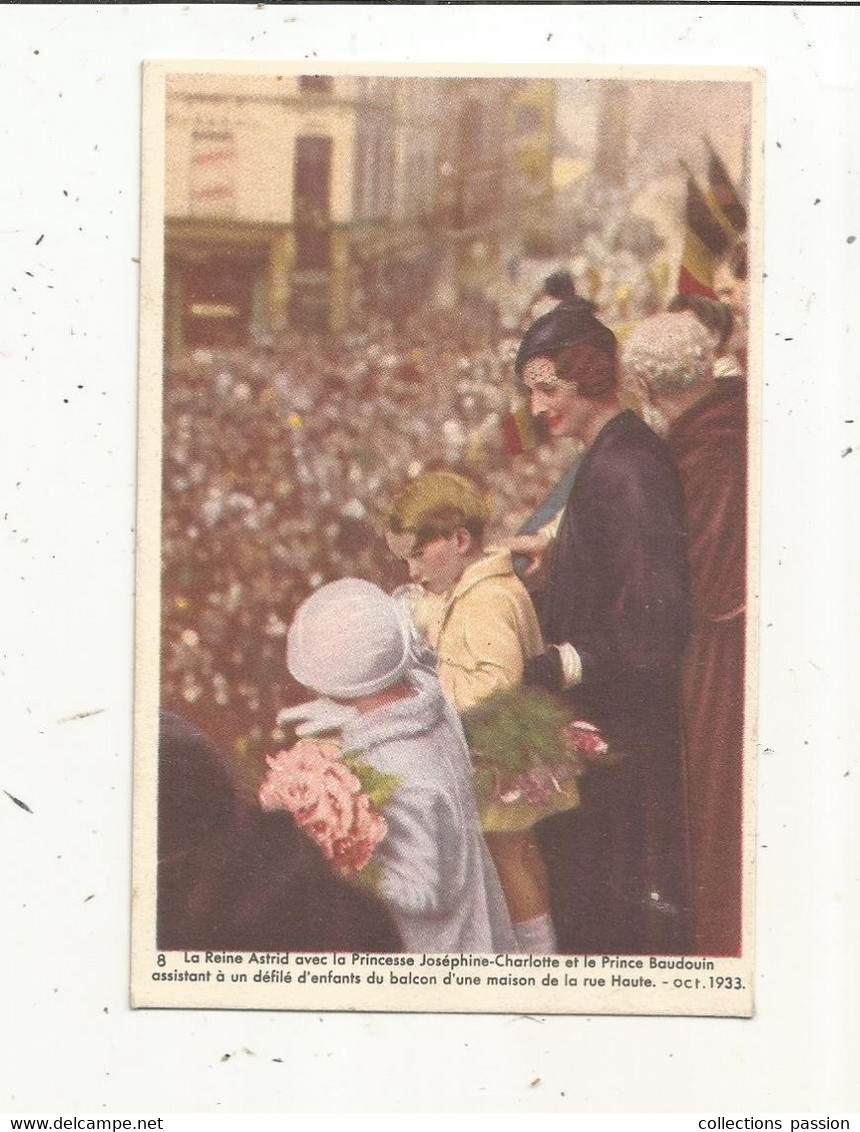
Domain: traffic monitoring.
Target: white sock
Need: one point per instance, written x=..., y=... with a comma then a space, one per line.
x=537, y=936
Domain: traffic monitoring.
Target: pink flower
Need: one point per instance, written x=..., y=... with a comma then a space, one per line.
x=326, y=800
x=584, y=739
x=354, y=851
x=538, y=786
x=293, y=783
x=328, y=749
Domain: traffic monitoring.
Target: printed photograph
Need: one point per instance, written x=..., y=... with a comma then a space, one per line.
x=452, y=525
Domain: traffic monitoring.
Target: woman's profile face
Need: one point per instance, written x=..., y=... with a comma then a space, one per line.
x=557, y=402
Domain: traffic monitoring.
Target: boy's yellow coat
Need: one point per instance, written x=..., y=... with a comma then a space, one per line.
x=483, y=631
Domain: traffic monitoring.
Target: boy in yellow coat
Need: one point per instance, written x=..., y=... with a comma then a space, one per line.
x=479, y=619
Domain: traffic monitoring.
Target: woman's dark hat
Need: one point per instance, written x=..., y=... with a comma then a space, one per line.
x=571, y=323
x=560, y=286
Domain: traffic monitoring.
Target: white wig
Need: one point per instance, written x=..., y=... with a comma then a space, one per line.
x=670, y=352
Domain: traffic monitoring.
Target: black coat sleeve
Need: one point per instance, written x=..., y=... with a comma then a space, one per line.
x=544, y=671
x=634, y=521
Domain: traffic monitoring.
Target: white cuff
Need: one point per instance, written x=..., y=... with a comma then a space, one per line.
x=571, y=664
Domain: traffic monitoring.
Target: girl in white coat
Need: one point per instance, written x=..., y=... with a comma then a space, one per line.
x=349, y=643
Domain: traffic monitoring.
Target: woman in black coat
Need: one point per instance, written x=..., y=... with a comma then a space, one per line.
x=615, y=612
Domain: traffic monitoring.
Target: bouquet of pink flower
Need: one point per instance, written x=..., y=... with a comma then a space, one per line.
x=334, y=798
x=586, y=747
x=529, y=757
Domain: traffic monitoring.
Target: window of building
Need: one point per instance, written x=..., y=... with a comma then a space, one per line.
x=529, y=119
x=212, y=173
x=316, y=84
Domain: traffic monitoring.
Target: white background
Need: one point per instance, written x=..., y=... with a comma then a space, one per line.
x=69, y=124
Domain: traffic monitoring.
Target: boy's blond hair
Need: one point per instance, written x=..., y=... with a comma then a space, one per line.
x=435, y=505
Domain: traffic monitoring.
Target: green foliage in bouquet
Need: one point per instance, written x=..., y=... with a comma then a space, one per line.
x=515, y=729
x=377, y=786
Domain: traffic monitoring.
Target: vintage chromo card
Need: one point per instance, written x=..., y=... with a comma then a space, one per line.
x=447, y=617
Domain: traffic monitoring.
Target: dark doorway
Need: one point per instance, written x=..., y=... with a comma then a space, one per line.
x=309, y=303
x=217, y=298
x=312, y=203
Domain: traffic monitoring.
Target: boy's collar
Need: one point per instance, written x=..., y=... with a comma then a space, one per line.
x=495, y=564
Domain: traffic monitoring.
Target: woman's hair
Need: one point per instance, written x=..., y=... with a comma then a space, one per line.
x=591, y=370
x=435, y=505
x=713, y=315
x=580, y=347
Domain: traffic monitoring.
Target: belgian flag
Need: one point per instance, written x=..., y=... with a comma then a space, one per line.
x=715, y=220
x=723, y=197
x=705, y=240
x=519, y=428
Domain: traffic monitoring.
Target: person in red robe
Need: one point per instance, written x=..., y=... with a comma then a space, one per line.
x=705, y=424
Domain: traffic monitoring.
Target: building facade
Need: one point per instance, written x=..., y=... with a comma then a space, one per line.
x=292, y=199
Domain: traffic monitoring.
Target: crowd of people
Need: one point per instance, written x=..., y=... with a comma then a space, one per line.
x=292, y=476
x=279, y=464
